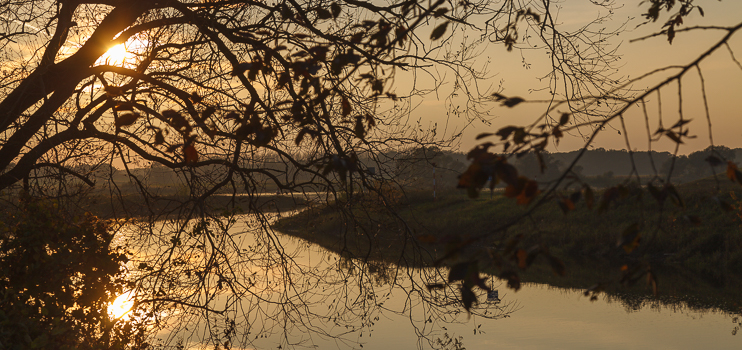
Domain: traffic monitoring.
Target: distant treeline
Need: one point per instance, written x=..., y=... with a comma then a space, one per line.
x=431, y=168
x=598, y=167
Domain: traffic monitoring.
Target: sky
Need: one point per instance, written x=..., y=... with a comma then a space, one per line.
x=722, y=76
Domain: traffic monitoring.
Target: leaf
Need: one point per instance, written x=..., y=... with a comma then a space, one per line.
x=127, y=119
x=208, y=112
x=726, y=207
x=512, y=102
x=630, y=238
x=232, y=115
x=240, y=68
x=673, y=137
x=681, y=122
x=173, y=148
x=468, y=298
x=589, y=196
x=439, y=31
x=525, y=258
x=190, y=154
x=323, y=13
x=335, y=9
x=434, y=286
x=530, y=191
x=575, y=197
x=557, y=266
x=652, y=281
x=507, y=173
x=564, y=119
x=159, y=138
x=732, y=172
x=483, y=135
x=440, y=12
x=359, y=130
x=512, y=278
x=674, y=195
x=458, y=271
x=346, y=106
x=522, y=256
x=566, y=205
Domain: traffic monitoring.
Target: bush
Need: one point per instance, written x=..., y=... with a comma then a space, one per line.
x=57, y=278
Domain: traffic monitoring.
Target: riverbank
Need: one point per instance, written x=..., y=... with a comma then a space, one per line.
x=133, y=206
x=696, y=254
x=700, y=235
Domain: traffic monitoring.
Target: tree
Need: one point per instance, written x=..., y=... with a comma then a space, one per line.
x=232, y=95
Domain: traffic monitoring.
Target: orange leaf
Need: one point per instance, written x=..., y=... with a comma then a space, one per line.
x=522, y=258
x=731, y=167
x=191, y=155
x=346, y=106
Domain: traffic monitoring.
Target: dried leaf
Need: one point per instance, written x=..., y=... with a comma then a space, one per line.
x=190, y=154
x=439, y=31
x=346, y=106
x=564, y=119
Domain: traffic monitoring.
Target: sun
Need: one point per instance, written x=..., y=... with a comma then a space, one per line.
x=116, y=55
x=125, y=54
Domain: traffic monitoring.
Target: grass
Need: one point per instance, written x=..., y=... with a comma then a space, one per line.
x=706, y=258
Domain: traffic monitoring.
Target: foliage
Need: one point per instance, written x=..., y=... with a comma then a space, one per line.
x=59, y=276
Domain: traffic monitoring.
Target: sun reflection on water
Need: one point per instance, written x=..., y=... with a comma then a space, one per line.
x=122, y=306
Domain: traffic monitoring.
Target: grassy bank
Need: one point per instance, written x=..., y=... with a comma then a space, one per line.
x=699, y=236
x=698, y=264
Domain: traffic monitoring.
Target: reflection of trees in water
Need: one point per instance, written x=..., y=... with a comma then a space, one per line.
x=233, y=282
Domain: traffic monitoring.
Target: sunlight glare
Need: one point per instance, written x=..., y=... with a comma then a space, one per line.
x=116, y=55
x=122, y=305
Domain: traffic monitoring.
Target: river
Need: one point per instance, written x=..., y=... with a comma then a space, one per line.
x=309, y=297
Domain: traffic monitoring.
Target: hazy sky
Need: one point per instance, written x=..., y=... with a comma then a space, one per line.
x=722, y=76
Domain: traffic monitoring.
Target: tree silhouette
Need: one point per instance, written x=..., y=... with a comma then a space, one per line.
x=240, y=97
